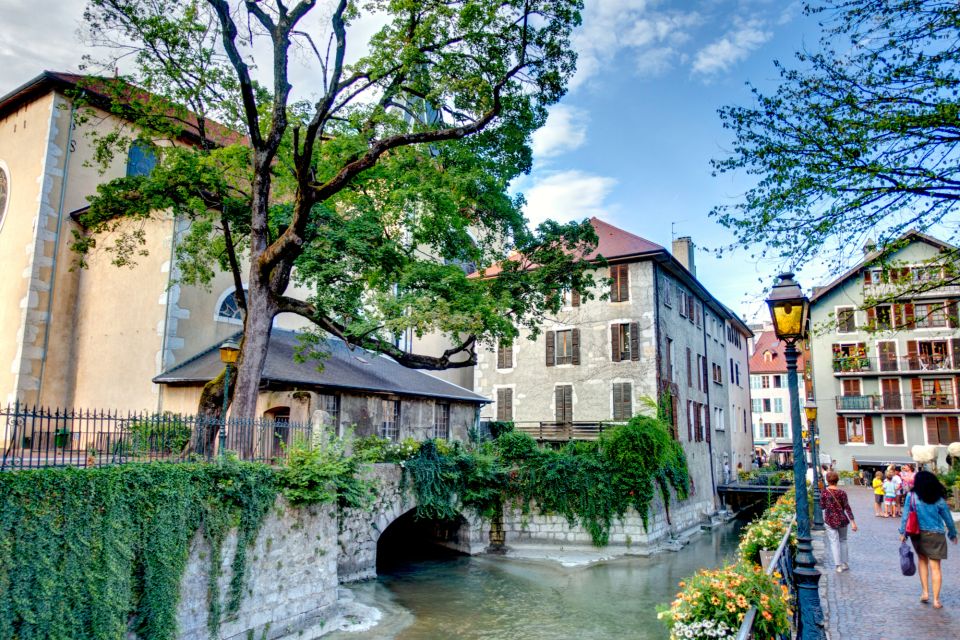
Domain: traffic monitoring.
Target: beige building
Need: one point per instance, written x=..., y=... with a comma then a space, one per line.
x=97, y=337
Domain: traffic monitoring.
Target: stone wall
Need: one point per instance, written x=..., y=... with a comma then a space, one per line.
x=629, y=536
x=291, y=578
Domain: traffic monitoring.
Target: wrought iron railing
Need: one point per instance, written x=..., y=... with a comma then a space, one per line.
x=33, y=437
x=921, y=362
x=898, y=402
x=782, y=564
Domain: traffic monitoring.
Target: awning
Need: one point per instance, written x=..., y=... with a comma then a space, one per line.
x=883, y=462
x=782, y=449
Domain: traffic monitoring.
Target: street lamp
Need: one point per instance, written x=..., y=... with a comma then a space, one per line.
x=229, y=353
x=789, y=310
x=810, y=408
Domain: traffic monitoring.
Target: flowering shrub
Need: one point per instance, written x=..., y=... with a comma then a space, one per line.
x=377, y=449
x=722, y=597
x=767, y=531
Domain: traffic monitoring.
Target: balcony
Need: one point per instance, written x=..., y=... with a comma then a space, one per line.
x=894, y=402
x=912, y=290
x=918, y=363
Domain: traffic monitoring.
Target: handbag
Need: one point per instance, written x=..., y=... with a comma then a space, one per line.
x=907, y=565
x=913, y=521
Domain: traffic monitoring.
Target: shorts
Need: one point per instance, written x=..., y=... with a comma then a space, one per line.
x=878, y=498
x=890, y=499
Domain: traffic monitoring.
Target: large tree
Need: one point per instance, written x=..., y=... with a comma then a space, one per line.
x=859, y=142
x=374, y=193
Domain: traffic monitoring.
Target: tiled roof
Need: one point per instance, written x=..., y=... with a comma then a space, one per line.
x=102, y=91
x=768, y=342
x=613, y=243
x=344, y=368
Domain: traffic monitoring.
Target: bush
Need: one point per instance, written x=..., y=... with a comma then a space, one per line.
x=377, y=449
x=323, y=473
x=159, y=433
x=516, y=446
x=499, y=427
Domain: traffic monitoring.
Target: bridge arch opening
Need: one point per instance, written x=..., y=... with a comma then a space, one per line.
x=409, y=539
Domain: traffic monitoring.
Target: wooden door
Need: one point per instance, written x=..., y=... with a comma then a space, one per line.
x=888, y=355
x=890, y=390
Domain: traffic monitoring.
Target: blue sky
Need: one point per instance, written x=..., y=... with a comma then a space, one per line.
x=630, y=143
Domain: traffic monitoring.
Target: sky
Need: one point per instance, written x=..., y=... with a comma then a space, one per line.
x=632, y=140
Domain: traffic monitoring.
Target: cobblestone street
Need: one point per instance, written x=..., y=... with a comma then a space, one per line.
x=874, y=601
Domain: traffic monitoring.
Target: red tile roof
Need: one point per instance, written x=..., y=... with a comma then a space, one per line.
x=613, y=243
x=768, y=342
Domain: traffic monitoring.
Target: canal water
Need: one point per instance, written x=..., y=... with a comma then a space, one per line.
x=496, y=598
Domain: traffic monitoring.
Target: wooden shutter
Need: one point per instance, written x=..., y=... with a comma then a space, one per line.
x=564, y=403
x=708, y=424
x=868, y=429
x=868, y=277
x=508, y=357
x=956, y=353
x=953, y=424
x=615, y=342
x=871, y=318
x=913, y=357
x=952, y=314
x=689, y=421
x=575, y=298
x=841, y=430
x=505, y=405
x=703, y=374
x=933, y=436
x=916, y=391
x=909, y=316
x=635, y=341
x=551, y=348
x=624, y=282
x=689, y=368
x=575, y=339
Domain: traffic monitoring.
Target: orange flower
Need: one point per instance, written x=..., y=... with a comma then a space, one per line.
x=731, y=607
x=767, y=616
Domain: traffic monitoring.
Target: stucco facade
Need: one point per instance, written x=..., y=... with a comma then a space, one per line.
x=886, y=377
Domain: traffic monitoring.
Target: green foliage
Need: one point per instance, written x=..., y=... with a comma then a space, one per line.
x=590, y=484
x=376, y=449
x=321, y=473
x=499, y=427
x=851, y=145
x=93, y=553
x=160, y=433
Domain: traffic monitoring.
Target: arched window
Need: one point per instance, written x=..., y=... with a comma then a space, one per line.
x=768, y=356
x=4, y=192
x=141, y=158
x=228, y=310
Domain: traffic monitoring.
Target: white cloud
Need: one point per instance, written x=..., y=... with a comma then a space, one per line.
x=566, y=130
x=733, y=47
x=567, y=195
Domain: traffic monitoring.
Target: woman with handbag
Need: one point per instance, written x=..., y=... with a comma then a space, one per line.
x=837, y=515
x=927, y=520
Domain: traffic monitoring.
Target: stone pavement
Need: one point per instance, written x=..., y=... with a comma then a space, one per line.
x=874, y=601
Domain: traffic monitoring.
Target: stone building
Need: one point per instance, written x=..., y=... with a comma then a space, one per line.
x=660, y=334
x=97, y=337
x=886, y=356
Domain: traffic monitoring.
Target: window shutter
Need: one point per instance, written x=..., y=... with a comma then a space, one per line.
x=909, y=317
x=868, y=430
x=871, y=318
x=867, y=277
x=933, y=437
x=956, y=353
x=954, y=426
x=615, y=342
x=689, y=368
x=689, y=421
x=551, y=348
x=500, y=363
x=916, y=390
x=509, y=403
x=575, y=298
x=952, y=314
x=508, y=357
x=703, y=374
x=708, y=426
x=558, y=402
x=841, y=430
x=575, y=338
x=635, y=341
x=624, y=282
x=913, y=357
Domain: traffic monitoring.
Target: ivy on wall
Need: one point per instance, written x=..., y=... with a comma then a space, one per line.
x=589, y=483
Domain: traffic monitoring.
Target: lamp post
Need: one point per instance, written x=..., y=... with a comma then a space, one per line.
x=810, y=408
x=229, y=353
x=789, y=309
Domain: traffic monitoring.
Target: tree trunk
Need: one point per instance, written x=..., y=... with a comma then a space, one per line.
x=253, y=352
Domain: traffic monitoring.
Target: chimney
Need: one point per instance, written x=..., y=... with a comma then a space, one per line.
x=683, y=252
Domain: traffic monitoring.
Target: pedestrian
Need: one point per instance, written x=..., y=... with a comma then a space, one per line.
x=906, y=474
x=836, y=516
x=898, y=502
x=878, y=494
x=889, y=496
x=928, y=501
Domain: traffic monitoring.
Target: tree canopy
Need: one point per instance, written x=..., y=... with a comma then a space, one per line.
x=378, y=194
x=860, y=140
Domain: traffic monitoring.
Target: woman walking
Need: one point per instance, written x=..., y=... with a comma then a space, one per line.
x=836, y=516
x=927, y=500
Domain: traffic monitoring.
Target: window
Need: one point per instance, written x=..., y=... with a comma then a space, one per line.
x=229, y=309
x=625, y=341
x=893, y=430
x=701, y=374
x=390, y=426
x=682, y=298
x=780, y=429
x=505, y=405
x=942, y=430
x=737, y=367
x=718, y=422
x=765, y=382
x=504, y=356
x=698, y=312
x=846, y=319
x=757, y=406
x=880, y=317
x=754, y=382
x=619, y=283
x=766, y=404
x=563, y=347
x=717, y=373
x=280, y=430
x=778, y=405
x=574, y=298
x=777, y=382
x=141, y=158
x=330, y=404
x=767, y=430
x=665, y=293
x=931, y=315
x=934, y=393
x=4, y=193
x=441, y=420
x=670, y=360
x=622, y=401
x=855, y=432
x=690, y=309
x=564, y=403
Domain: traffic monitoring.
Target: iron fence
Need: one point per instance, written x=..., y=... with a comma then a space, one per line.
x=781, y=563
x=34, y=437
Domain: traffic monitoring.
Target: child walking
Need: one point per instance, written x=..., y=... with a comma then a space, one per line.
x=878, y=494
x=889, y=496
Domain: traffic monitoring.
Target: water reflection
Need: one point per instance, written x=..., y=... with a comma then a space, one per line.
x=489, y=597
